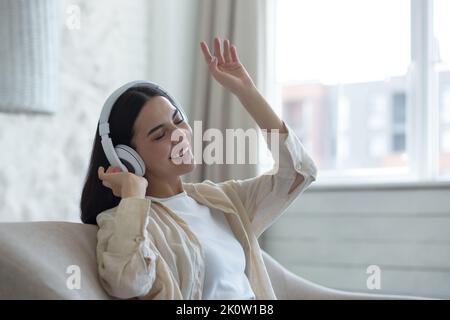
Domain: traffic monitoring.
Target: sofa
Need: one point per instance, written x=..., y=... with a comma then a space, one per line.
x=37, y=261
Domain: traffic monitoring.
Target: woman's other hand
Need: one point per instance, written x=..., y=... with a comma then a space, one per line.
x=226, y=68
x=123, y=184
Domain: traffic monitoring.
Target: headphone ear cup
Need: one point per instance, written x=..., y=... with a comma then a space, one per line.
x=130, y=159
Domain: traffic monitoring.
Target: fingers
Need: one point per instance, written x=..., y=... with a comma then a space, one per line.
x=212, y=64
x=234, y=55
x=217, y=51
x=113, y=169
x=205, y=51
x=226, y=51
x=101, y=172
x=229, y=52
x=102, y=175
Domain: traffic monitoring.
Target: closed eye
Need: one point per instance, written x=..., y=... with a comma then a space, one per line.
x=177, y=112
x=161, y=136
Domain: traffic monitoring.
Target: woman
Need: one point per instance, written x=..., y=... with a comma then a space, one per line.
x=160, y=238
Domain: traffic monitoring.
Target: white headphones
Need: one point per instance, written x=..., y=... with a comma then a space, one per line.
x=123, y=156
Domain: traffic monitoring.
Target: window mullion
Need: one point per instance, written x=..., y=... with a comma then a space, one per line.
x=433, y=107
x=420, y=77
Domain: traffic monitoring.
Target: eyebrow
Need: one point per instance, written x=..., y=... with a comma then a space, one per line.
x=162, y=125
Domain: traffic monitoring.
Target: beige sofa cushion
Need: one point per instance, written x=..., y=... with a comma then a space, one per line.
x=34, y=258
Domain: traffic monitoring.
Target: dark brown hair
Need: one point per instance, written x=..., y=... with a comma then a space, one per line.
x=95, y=197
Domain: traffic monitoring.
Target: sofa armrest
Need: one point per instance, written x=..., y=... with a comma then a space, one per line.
x=289, y=286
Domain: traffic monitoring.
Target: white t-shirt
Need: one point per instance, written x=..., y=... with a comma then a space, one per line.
x=225, y=276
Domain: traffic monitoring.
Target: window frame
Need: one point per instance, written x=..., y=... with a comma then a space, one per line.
x=422, y=129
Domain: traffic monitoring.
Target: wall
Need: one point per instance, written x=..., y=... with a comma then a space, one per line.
x=174, y=43
x=331, y=236
x=45, y=158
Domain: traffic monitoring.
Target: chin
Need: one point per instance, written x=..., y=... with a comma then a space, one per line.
x=183, y=168
x=188, y=167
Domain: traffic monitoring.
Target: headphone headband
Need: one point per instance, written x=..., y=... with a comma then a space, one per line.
x=111, y=100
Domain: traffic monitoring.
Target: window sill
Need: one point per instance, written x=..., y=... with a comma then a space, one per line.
x=339, y=186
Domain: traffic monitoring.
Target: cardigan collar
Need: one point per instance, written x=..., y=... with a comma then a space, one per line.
x=208, y=194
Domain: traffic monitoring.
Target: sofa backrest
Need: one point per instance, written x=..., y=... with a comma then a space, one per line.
x=39, y=260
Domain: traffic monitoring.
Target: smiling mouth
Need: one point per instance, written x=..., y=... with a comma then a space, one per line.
x=182, y=152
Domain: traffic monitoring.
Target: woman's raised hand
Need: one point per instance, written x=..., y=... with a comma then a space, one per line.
x=226, y=68
x=123, y=184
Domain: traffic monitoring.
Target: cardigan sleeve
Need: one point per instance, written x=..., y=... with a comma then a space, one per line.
x=126, y=261
x=267, y=196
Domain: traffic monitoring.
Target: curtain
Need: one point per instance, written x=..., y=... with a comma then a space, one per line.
x=245, y=24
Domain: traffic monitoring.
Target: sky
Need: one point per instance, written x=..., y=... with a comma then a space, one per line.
x=343, y=41
x=442, y=28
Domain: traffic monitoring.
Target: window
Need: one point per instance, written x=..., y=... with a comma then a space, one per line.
x=352, y=77
x=441, y=69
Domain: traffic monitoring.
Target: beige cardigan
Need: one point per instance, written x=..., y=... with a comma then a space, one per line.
x=145, y=250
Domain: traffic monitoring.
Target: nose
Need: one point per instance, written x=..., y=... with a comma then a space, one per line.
x=177, y=136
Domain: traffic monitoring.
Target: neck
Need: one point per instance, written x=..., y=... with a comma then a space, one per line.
x=164, y=188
